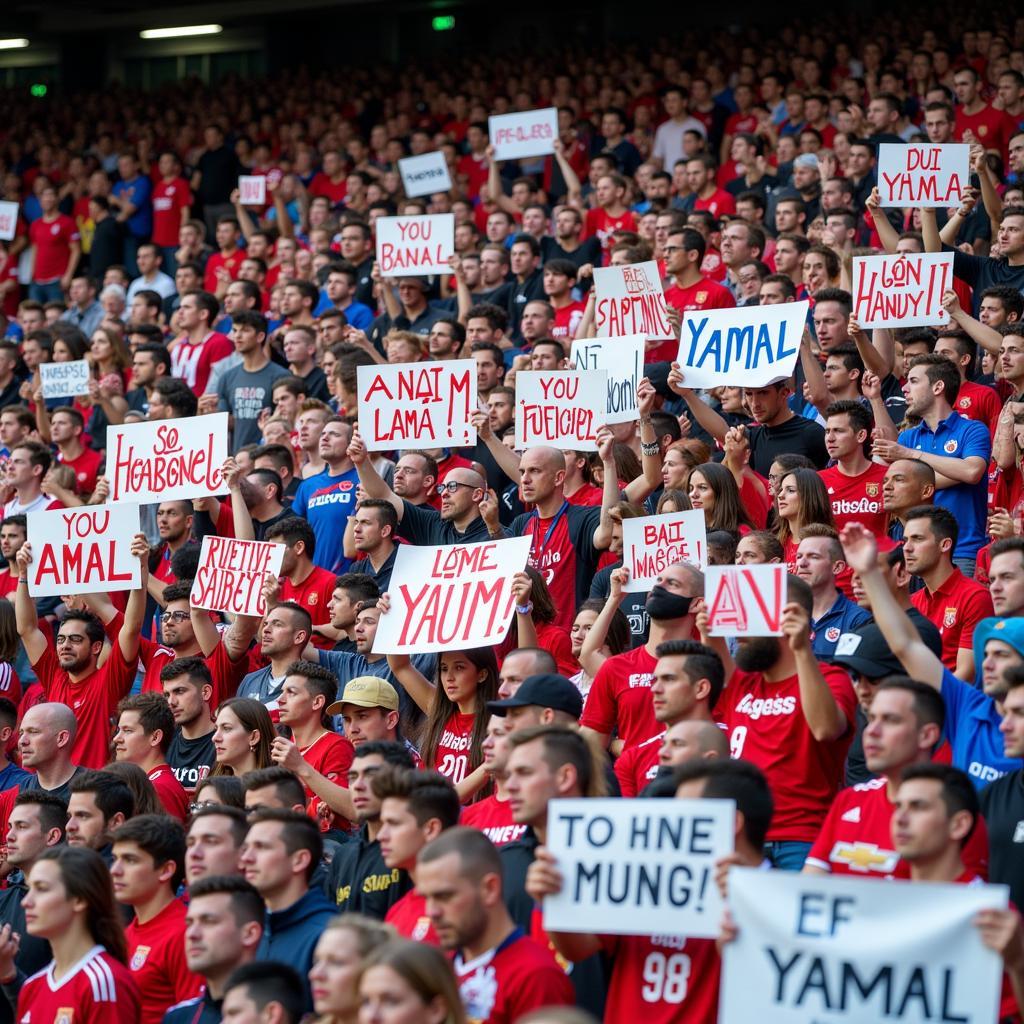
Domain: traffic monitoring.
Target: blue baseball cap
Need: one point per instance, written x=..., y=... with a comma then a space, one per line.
x=1010, y=631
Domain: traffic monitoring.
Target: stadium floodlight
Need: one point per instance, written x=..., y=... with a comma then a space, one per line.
x=13, y=44
x=180, y=31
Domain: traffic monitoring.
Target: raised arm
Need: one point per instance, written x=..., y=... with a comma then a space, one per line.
x=241, y=519
x=495, y=191
x=878, y=352
x=372, y=482
x=507, y=460
x=815, y=390
x=544, y=879
x=987, y=337
x=887, y=234
x=242, y=215
x=25, y=608
x=415, y=682
x=610, y=492
x=573, y=188
x=135, y=608
x=650, y=450
x=821, y=711
x=700, y=410
x=592, y=656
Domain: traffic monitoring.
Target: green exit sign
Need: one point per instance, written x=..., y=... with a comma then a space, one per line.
x=38, y=90
x=444, y=22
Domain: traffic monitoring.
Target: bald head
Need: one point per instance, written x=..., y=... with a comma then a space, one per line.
x=542, y=475
x=54, y=717
x=691, y=741
x=470, y=477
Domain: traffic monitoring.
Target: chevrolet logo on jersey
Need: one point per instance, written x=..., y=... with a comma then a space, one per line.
x=865, y=857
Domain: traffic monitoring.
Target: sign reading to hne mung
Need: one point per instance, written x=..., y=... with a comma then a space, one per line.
x=745, y=600
x=923, y=175
x=623, y=360
x=753, y=346
x=650, y=544
x=638, y=867
x=82, y=551
x=166, y=460
x=417, y=405
x=631, y=300
x=413, y=246
x=231, y=575
x=901, y=291
x=560, y=408
x=425, y=174
x=65, y=380
x=857, y=951
x=522, y=134
x=451, y=597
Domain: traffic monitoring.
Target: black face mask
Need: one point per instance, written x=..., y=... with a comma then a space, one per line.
x=663, y=605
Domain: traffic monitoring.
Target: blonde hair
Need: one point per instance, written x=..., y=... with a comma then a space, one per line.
x=425, y=969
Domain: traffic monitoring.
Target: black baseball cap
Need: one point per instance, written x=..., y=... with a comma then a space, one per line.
x=546, y=690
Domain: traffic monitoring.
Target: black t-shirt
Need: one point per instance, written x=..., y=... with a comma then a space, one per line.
x=982, y=272
x=64, y=792
x=382, y=576
x=316, y=385
x=519, y=295
x=191, y=760
x=1002, y=804
x=219, y=169
x=588, y=251
x=359, y=881
x=633, y=606
x=797, y=436
x=422, y=525
x=364, y=283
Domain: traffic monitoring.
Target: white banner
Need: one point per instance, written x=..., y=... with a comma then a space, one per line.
x=424, y=175
x=753, y=346
x=857, y=951
x=745, y=600
x=65, y=380
x=623, y=360
x=8, y=220
x=638, y=867
x=417, y=405
x=231, y=574
x=415, y=246
x=652, y=543
x=631, y=300
x=560, y=408
x=919, y=174
x=83, y=551
x=252, y=190
x=451, y=597
x=528, y=133
x=901, y=291
x=166, y=460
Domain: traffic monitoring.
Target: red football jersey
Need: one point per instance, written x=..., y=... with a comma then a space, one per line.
x=313, y=594
x=169, y=199
x=93, y=700
x=193, y=363
x=956, y=608
x=857, y=499
x=453, y=754
x=156, y=957
x=330, y=755
x=170, y=791
x=493, y=817
x=620, y=698
x=635, y=767
x=97, y=990
x=718, y=203
x=409, y=918
x=232, y=263
x=567, y=319
x=86, y=467
x=52, y=240
x=705, y=294
x=766, y=727
x=981, y=403
x=599, y=222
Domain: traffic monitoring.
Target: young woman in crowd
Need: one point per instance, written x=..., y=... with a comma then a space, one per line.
x=599, y=631
x=243, y=737
x=220, y=789
x=342, y=948
x=535, y=621
x=802, y=499
x=144, y=792
x=409, y=983
x=713, y=490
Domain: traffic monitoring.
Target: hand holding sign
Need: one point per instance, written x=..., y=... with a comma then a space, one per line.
x=748, y=600
x=926, y=176
x=252, y=190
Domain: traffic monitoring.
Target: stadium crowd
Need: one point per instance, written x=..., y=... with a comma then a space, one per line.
x=259, y=819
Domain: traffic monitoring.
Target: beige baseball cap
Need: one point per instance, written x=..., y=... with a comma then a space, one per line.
x=366, y=692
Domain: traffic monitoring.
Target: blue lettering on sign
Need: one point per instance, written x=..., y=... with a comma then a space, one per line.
x=745, y=348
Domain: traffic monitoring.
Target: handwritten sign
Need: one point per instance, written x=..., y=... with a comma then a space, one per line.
x=424, y=175
x=83, y=551
x=631, y=300
x=560, y=408
x=638, y=867
x=901, y=291
x=857, y=950
x=651, y=544
x=451, y=597
x=922, y=175
x=65, y=380
x=745, y=600
x=623, y=360
x=417, y=405
x=231, y=574
x=8, y=220
x=252, y=190
x=167, y=459
x=415, y=245
x=751, y=345
x=525, y=133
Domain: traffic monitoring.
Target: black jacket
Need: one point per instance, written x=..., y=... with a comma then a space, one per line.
x=359, y=880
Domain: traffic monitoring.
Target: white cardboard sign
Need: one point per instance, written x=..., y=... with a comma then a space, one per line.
x=560, y=408
x=8, y=220
x=83, y=551
x=651, y=544
x=523, y=134
x=415, y=246
x=750, y=345
x=745, y=600
x=902, y=290
x=252, y=190
x=231, y=574
x=638, y=867
x=165, y=460
x=857, y=951
x=631, y=300
x=623, y=360
x=923, y=175
x=417, y=405
x=425, y=174
x=451, y=597
x=65, y=380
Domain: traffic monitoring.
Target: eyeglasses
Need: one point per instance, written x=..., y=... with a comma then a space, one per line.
x=70, y=638
x=672, y=248
x=174, y=616
x=451, y=486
